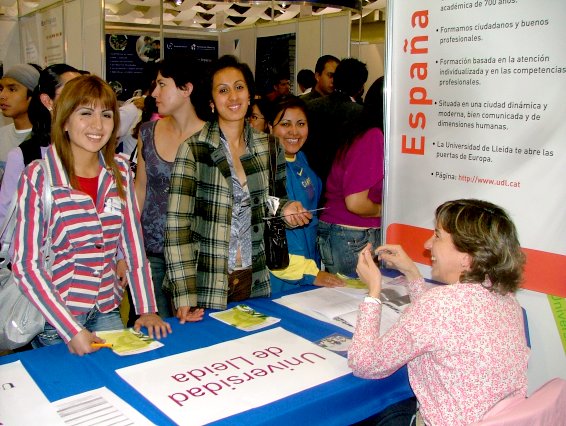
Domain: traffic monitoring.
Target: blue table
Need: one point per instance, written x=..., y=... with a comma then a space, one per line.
x=342, y=401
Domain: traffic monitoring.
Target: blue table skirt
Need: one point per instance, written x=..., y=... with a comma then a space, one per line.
x=339, y=402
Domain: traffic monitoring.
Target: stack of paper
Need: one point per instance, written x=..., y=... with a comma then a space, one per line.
x=340, y=305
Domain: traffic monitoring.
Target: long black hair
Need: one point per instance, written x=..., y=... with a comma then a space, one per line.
x=372, y=116
x=39, y=115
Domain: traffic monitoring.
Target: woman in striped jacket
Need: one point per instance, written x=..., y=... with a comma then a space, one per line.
x=93, y=213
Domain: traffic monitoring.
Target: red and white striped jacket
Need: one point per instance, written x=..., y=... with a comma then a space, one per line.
x=85, y=239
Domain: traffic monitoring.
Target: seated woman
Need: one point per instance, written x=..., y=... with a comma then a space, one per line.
x=464, y=343
x=290, y=126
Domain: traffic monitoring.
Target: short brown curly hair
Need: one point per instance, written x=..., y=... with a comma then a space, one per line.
x=485, y=232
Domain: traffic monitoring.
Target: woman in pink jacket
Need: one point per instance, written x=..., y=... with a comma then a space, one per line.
x=93, y=213
x=464, y=343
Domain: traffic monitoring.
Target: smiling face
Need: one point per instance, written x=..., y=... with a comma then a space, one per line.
x=89, y=128
x=292, y=129
x=230, y=95
x=14, y=100
x=447, y=262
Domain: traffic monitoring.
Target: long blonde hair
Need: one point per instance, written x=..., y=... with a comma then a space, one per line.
x=86, y=90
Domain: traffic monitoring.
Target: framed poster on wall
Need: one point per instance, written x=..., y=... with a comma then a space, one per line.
x=275, y=56
x=131, y=59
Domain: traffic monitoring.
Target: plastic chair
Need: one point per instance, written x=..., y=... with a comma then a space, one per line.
x=545, y=407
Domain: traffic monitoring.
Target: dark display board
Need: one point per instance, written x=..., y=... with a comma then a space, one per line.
x=131, y=59
x=274, y=55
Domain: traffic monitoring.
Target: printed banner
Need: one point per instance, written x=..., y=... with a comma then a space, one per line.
x=52, y=35
x=558, y=308
x=476, y=110
x=208, y=384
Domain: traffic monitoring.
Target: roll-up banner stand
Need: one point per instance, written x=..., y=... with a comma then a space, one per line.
x=476, y=108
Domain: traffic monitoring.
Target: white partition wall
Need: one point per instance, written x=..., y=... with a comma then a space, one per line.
x=8, y=55
x=328, y=34
x=69, y=31
x=240, y=43
x=92, y=35
x=335, y=34
x=309, y=46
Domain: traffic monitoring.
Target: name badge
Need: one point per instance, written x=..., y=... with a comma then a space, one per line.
x=112, y=205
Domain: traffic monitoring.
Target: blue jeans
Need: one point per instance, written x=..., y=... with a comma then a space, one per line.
x=94, y=320
x=339, y=246
x=158, y=270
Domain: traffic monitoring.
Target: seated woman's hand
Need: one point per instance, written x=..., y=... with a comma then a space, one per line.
x=326, y=279
x=395, y=257
x=296, y=215
x=368, y=271
x=156, y=327
x=188, y=314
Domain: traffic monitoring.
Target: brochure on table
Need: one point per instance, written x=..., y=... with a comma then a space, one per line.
x=245, y=318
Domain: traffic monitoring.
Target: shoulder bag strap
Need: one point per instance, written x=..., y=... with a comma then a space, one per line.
x=47, y=204
x=9, y=225
x=272, y=163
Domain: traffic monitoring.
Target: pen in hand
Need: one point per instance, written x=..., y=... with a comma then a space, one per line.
x=100, y=345
x=293, y=214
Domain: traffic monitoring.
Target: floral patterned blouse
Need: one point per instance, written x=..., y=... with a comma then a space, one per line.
x=464, y=346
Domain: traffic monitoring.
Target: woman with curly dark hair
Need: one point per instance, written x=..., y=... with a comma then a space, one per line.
x=464, y=343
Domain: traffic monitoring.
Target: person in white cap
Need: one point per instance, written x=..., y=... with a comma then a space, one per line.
x=16, y=88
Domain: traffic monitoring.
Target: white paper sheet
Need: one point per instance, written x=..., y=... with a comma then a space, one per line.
x=204, y=385
x=100, y=407
x=21, y=400
x=340, y=305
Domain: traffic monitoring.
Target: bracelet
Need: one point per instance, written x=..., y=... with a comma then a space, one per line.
x=370, y=299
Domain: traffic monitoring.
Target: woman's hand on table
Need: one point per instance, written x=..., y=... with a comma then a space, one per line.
x=156, y=327
x=326, y=279
x=295, y=214
x=188, y=314
x=80, y=343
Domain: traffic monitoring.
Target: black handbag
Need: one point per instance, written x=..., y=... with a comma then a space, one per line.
x=274, y=237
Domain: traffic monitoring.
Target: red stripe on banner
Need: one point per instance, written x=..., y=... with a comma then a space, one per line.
x=544, y=272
